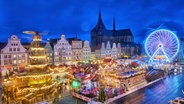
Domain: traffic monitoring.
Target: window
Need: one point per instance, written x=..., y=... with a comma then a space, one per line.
x=14, y=61
x=18, y=49
x=55, y=53
x=5, y=62
x=14, y=49
x=19, y=61
x=14, y=56
x=9, y=56
x=5, y=56
x=10, y=49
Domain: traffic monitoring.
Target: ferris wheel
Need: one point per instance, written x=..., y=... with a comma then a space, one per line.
x=162, y=44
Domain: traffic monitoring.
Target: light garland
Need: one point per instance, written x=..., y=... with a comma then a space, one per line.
x=43, y=65
x=36, y=39
x=33, y=76
x=37, y=57
x=24, y=90
x=38, y=48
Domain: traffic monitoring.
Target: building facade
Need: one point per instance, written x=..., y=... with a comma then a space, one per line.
x=77, y=51
x=100, y=34
x=14, y=56
x=102, y=51
x=86, y=54
x=119, y=52
x=108, y=50
x=114, y=51
x=62, y=51
x=131, y=50
x=49, y=53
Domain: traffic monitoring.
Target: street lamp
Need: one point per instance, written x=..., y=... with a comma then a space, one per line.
x=75, y=85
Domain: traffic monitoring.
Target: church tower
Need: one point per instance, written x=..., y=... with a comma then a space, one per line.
x=96, y=35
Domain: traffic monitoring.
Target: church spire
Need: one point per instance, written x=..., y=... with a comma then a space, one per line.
x=99, y=14
x=114, y=24
x=100, y=24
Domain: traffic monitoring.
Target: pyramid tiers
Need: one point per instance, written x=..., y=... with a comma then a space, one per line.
x=37, y=56
x=37, y=84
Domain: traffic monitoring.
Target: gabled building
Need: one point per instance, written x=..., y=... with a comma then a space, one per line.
x=102, y=51
x=62, y=51
x=86, y=54
x=108, y=51
x=14, y=56
x=119, y=53
x=114, y=54
x=77, y=50
x=49, y=53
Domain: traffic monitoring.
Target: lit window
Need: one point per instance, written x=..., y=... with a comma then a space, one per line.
x=14, y=56
x=19, y=61
x=14, y=61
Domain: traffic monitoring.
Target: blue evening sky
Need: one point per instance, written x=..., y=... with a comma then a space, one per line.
x=71, y=17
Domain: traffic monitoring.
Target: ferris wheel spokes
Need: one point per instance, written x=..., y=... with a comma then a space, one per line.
x=164, y=54
x=162, y=45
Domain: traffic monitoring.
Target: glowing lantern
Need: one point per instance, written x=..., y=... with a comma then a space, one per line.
x=75, y=84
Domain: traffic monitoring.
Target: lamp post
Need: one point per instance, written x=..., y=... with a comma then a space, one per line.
x=75, y=85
